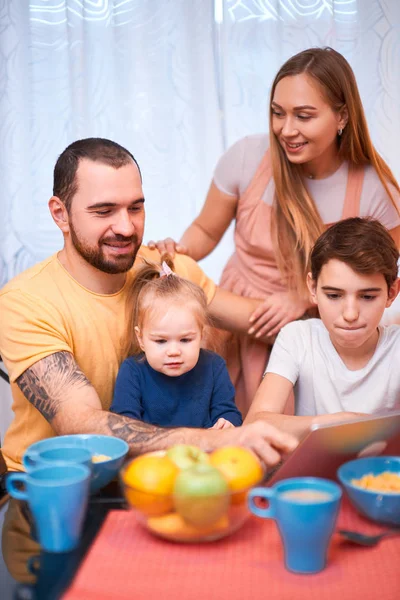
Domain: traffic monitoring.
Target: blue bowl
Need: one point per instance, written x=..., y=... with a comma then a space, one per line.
x=102, y=472
x=378, y=506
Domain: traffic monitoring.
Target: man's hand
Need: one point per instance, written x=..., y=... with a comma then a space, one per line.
x=275, y=312
x=265, y=440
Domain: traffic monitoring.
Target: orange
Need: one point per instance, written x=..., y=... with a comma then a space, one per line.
x=240, y=467
x=149, y=483
x=173, y=527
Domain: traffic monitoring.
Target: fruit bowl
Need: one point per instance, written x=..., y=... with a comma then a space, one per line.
x=216, y=516
x=190, y=504
x=380, y=506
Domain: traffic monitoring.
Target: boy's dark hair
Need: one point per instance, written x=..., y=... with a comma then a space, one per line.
x=95, y=149
x=362, y=243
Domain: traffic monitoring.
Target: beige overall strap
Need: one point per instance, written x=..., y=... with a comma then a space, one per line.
x=355, y=179
x=259, y=182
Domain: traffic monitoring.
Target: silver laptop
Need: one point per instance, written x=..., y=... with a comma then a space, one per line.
x=325, y=447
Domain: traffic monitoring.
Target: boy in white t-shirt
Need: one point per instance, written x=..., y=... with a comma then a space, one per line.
x=345, y=363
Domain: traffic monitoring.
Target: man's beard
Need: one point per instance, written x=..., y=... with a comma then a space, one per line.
x=94, y=255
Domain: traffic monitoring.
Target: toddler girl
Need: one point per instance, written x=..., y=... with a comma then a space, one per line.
x=168, y=379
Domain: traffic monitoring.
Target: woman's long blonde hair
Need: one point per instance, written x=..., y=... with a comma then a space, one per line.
x=151, y=284
x=296, y=221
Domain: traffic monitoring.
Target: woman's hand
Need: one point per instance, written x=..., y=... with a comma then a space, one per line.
x=168, y=245
x=275, y=312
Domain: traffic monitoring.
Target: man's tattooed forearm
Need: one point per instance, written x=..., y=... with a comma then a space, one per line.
x=142, y=435
x=44, y=384
x=30, y=385
x=51, y=381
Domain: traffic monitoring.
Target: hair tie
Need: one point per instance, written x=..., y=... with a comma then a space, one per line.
x=166, y=271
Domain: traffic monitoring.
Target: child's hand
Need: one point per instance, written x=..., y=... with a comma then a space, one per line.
x=222, y=424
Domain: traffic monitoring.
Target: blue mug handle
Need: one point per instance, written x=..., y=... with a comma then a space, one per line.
x=31, y=459
x=33, y=564
x=11, y=480
x=260, y=492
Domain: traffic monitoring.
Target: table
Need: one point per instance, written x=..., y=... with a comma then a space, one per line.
x=54, y=571
x=126, y=562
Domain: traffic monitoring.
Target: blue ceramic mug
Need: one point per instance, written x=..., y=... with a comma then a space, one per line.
x=54, y=456
x=305, y=509
x=57, y=497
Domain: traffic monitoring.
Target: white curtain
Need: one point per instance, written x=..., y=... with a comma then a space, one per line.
x=139, y=72
x=175, y=81
x=259, y=35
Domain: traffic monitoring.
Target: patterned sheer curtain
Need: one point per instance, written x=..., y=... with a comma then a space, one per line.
x=139, y=72
x=259, y=35
x=175, y=82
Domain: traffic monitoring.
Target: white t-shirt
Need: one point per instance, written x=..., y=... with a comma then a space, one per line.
x=304, y=354
x=237, y=166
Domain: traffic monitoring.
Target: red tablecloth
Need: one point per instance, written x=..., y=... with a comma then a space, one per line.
x=127, y=563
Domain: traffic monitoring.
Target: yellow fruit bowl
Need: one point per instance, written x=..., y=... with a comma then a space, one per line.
x=190, y=505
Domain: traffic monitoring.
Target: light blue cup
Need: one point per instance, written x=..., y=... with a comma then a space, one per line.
x=379, y=506
x=102, y=472
x=57, y=497
x=305, y=520
x=56, y=456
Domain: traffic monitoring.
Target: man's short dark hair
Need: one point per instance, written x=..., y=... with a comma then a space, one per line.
x=96, y=149
x=362, y=243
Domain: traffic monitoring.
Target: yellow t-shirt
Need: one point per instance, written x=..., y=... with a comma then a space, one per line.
x=43, y=311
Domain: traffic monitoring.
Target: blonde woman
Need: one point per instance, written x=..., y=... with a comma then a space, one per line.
x=317, y=166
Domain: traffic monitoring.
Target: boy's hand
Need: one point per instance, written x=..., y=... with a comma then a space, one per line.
x=338, y=417
x=222, y=424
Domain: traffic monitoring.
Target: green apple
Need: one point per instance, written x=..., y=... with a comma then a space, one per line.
x=185, y=456
x=201, y=495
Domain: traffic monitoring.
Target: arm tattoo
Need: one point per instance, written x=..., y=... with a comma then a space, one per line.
x=45, y=383
x=141, y=435
x=48, y=383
